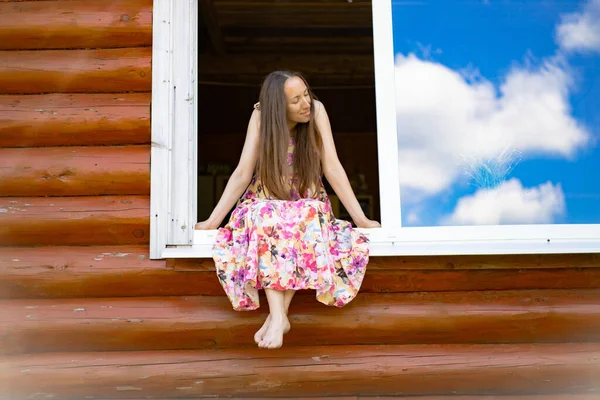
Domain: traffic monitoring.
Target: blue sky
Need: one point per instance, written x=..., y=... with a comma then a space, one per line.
x=477, y=80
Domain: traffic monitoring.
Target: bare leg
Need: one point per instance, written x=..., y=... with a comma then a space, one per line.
x=279, y=323
x=289, y=294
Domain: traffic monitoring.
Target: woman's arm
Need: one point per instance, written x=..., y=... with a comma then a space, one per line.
x=240, y=178
x=334, y=171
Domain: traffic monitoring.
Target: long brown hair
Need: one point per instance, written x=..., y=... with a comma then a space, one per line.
x=274, y=138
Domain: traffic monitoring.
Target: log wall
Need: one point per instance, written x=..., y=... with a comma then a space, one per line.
x=76, y=281
x=75, y=85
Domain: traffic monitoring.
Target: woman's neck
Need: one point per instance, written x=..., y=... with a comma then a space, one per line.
x=292, y=125
x=293, y=130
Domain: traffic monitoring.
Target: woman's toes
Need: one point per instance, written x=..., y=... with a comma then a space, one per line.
x=273, y=338
x=260, y=334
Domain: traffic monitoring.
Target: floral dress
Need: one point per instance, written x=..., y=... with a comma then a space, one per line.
x=288, y=244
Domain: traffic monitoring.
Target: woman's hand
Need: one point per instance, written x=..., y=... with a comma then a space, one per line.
x=205, y=225
x=367, y=223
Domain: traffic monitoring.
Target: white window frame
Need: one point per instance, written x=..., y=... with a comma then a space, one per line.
x=174, y=160
x=173, y=124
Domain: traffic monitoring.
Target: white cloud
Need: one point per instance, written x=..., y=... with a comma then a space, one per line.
x=444, y=115
x=413, y=217
x=580, y=31
x=510, y=203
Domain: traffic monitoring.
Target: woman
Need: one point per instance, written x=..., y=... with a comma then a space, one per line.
x=282, y=235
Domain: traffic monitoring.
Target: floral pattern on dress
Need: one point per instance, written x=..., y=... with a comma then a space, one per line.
x=288, y=244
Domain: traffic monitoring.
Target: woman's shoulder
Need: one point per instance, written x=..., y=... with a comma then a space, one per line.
x=256, y=113
x=319, y=108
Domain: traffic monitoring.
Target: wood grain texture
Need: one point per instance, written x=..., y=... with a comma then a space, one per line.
x=63, y=272
x=95, y=220
x=452, y=263
x=74, y=119
x=94, y=271
x=77, y=71
x=394, y=281
x=75, y=171
x=157, y=323
x=309, y=371
x=73, y=24
x=483, y=262
x=335, y=69
x=284, y=14
x=564, y=396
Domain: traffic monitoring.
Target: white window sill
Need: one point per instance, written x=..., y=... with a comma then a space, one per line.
x=455, y=240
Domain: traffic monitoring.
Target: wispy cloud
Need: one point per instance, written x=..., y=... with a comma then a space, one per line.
x=444, y=116
x=447, y=116
x=580, y=31
x=510, y=203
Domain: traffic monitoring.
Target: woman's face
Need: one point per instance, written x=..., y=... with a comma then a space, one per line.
x=298, y=100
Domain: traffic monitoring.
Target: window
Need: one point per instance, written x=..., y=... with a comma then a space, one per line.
x=446, y=186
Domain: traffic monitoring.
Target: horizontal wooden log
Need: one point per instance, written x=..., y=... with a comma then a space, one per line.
x=77, y=71
x=96, y=271
x=73, y=24
x=97, y=220
x=75, y=171
x=564, y=396
x=74, y=119
x=63, y=272
x=281, y=43
x=483, y=262
x=320, y=69
x=301, y=14
x=452, y=263
x=309, y=371
x=124, y=324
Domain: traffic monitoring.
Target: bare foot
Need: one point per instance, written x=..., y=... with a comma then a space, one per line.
x=273, y=338
x=258, y=336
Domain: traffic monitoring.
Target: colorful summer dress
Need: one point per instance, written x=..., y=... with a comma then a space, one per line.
x=288, y=244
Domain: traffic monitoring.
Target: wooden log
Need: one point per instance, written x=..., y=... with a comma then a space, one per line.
x=74, y=24
x=388, y=281
x=63, y=272
x=328, y=69
x=89, y=71
x=74, y=119
x=243, y=41
x=98, y=220
x=331, y=14
x=564, y=396
x=75, y=171
x=455, y=263
x=97, y=271
x=309, y=371
x=163, y=323
x=482, y=262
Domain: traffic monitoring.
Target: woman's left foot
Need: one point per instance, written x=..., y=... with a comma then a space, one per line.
x=260, y=334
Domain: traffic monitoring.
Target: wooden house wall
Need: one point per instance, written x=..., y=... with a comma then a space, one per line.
x=75, y=83
x=85, y=314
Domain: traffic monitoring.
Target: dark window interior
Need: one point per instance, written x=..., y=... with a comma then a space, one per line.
x=329, y=41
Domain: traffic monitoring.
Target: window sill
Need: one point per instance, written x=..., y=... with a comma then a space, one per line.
x=468, y=240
